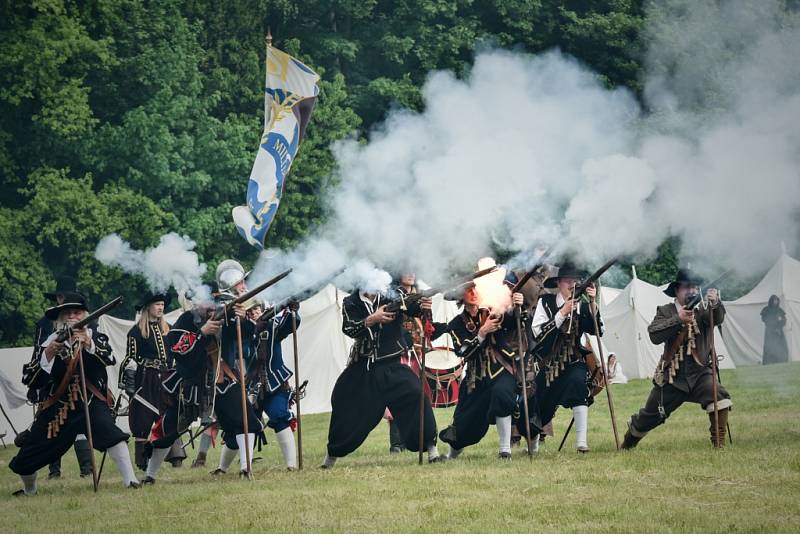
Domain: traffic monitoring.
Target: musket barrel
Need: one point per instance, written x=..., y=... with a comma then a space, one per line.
x=102, y=310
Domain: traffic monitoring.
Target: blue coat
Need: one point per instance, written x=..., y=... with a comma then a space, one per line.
x=269, y=359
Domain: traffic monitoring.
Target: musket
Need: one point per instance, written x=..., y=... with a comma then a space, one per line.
x=401, y=303
x=227, y=307
x=586, y=284
x=579, y=290
x=694, y=301
x=530, y=273
x=102, y=310
x=305, y=293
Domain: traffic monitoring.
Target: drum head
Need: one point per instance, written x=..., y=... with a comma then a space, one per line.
x=442, y=359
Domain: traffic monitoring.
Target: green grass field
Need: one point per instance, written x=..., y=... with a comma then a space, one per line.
x=674, y=481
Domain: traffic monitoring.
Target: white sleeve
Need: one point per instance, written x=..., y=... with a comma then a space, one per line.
x=540, y=317
x=90, y=347
x=44, y=363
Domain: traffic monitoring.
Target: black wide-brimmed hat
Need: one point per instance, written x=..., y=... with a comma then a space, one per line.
x=684, y=276
x=64, y=284
x=153, y=296
x=567, y=270
x=72, y=300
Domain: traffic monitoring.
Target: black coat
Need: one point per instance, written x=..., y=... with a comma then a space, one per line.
x=463, y=330
x=549, y=334
x=378, y=341
x=187, y=346
x=95, y=363
x=150, y=351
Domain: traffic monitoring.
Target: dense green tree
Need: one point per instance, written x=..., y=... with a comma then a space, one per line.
x=142, y=116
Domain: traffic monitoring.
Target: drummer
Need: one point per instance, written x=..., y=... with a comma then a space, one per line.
x=483, y=334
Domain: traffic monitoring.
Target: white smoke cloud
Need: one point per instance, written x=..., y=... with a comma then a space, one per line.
x=534, y=150
x=171, y=263
x=314, y=263
x=725, y=82
x=500, y=153
x=530, y=151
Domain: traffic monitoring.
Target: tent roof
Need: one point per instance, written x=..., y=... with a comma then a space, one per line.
x=783, y=279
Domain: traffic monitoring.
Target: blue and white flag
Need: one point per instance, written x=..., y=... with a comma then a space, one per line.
x=291, y=92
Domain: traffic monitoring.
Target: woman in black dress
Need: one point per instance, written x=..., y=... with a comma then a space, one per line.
x=775, y=348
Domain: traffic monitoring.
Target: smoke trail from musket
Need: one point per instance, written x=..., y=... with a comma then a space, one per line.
x=312, y=264
x=171, y=263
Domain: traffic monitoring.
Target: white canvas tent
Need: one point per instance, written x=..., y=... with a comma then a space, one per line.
x=743, y=330
x=322, y=347
x=626, y=319
x=12, y=392
x=608, y=294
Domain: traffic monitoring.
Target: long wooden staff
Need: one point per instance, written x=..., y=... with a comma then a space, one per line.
x=242, y=387
x=714, y=378
x=89, y=435
x=297, y=392
x=523, y=371
x=425, y=326
x=597, y=333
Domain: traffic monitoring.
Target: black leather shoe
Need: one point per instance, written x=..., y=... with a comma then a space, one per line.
x=448, y=435
x=137, y=485
x=148, y=481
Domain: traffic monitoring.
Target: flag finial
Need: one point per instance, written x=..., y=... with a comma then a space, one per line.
x=268, y=38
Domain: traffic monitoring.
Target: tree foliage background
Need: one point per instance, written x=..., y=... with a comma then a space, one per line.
x=142, y=117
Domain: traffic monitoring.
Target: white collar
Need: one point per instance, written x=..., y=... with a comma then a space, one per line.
x=368, y=302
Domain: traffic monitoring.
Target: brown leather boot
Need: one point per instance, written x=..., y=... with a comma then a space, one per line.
x=630, y=441
x=719, y=442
